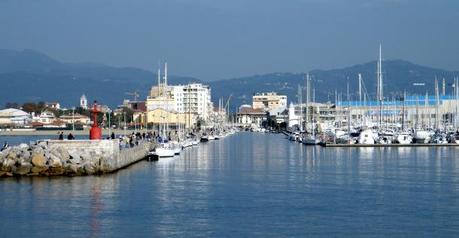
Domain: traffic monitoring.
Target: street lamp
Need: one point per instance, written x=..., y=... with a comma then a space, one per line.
x=73, y=119
x=109, y=124
x=124, y=115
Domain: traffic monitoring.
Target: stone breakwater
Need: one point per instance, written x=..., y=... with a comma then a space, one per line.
x=69, y=158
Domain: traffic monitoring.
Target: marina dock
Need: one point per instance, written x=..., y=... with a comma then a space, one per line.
x=389, y=145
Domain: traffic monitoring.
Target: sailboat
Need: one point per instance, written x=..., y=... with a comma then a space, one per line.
x=310, y=139
x=164, y=148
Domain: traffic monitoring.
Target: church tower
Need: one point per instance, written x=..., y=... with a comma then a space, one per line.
x=83, y=102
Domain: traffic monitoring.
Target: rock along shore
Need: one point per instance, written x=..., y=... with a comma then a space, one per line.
x=70, y=158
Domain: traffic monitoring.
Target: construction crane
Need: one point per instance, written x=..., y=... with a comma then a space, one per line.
x=134, y=94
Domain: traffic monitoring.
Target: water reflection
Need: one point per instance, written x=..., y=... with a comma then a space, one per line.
x=247, y=185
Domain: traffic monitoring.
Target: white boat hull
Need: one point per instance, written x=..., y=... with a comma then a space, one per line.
x=163, y=152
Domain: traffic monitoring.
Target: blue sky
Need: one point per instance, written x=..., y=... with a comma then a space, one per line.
x=214, y=39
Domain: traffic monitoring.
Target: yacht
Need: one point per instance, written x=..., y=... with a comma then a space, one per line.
x=422, y=136
x=366, y=137
x=163, y=150
x=310, y=140
x=177, y=147
x=187, y=143
x=204, y=138
x=404, y=138
x=195, y=141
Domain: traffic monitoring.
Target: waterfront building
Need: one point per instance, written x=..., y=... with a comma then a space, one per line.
x=312, y=111
x=76, y=119
x=415, y=111
x=192, y=98
x=249, y=117
x=83, y=102
x=14, y=117
x=45, y=117
x=191, y=102
x=160, y=117
x=293, y=117
x=269, y=101
x=53, y=105
x=279, y=115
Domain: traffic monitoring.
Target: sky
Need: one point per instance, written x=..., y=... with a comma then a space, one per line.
x=220, y=39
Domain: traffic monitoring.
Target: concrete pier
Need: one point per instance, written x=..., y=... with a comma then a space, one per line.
x=70, y=157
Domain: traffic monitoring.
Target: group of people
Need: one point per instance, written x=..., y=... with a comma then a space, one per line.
x=70, y=136
x=129, y=141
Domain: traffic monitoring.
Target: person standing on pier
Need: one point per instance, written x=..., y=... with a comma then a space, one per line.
x=61, y=136
x=70, y=137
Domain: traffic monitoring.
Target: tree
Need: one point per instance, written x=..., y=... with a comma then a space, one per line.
x=29, y=107
x=33, y=107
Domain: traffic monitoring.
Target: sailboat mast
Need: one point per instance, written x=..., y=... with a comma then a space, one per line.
x=348, y=112
x=403, y=110
x=380, y=97
x=456, y=90
x=437, y=102
x=300, y=103
x=360, y=89
x=307, y=98
x=165, y=74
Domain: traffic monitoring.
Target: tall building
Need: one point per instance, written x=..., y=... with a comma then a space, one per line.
x=187, y=102
x=83, y=102
x=269, y=101
x=192, y=98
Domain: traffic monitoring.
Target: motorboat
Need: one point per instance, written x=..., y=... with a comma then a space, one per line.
x=204, y=138
x=404, y=139
x=422, y=136
x=177, y=146
x=195, y=141
x=439, y=139
x=310, y=140
x=366, y=137
x=163, y=150
x=454, y=138
x=187, y=143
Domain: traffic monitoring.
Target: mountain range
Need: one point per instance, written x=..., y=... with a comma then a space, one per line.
x=29, y=75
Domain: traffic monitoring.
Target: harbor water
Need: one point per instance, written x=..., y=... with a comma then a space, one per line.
x=247, y=185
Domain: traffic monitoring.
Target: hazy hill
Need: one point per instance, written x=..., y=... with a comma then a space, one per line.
x=32, y=76
x=398, y=75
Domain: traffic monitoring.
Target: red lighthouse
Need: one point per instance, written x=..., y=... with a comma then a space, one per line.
x=96, y=132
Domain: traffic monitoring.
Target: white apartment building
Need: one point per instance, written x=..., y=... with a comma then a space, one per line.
x=193, y=98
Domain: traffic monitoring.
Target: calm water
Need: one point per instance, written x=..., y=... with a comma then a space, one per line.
x=247, y=185
x=16, y=140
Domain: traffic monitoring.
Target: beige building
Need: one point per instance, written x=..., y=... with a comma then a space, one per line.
x=249, y=117
x=269, y=101
x=160, y=116
x=77, y=118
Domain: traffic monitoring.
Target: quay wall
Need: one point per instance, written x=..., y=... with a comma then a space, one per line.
x=70, y=157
